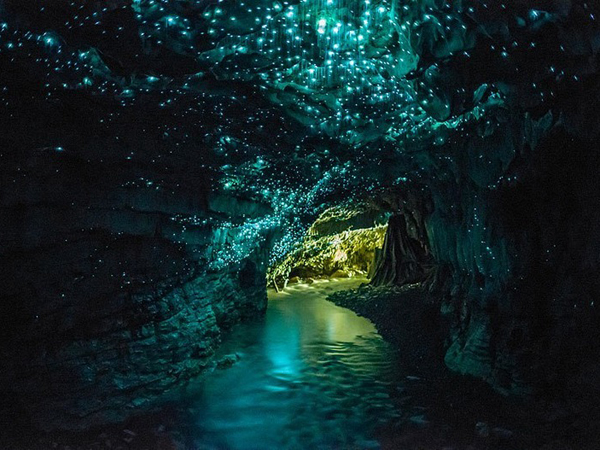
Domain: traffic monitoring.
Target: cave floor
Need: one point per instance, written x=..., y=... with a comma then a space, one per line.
x=315, y=375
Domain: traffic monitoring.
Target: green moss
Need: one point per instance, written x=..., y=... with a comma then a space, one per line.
x=344, y=254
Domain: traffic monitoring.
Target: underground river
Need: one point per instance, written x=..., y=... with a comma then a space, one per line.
x=313, y=375
x=310, y=375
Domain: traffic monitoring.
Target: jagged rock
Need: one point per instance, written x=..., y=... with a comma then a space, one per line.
x=112, y=312
x=403, y=260
x=228, y=361
x=483, y=429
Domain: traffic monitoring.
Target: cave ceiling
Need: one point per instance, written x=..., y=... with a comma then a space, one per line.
x=288, y=102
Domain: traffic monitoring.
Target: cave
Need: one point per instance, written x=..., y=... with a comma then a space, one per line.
x=291, y=224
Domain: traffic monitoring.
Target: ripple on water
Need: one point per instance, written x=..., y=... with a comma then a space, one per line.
x=312, y=375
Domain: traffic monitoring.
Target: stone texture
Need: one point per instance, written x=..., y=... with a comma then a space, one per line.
x=107, y=302
x=342, y=242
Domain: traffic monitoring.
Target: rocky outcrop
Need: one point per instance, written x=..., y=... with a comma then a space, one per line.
x=512, y=238
x=108, y=299
x=404, y=259
x=341, y=243
x=522, y=254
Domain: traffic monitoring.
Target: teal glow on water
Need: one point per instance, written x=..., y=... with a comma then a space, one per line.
x=311, y=375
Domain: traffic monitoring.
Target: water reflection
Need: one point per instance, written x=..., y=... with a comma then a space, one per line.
x=311, y=375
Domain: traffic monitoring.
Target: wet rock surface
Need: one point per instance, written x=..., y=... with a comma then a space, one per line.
x=405, y=316
x=463, y=412
x=107, y=307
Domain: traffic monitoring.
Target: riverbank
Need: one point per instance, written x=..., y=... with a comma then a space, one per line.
x=311, y=354
x=405, y=316
x=308, y=374
x=460, y=412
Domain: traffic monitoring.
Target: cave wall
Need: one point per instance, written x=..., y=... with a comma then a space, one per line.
x=508, y=217
x=108, y=299
x=513, y=231
x=512, y=227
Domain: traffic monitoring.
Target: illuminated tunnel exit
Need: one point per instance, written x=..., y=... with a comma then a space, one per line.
x=344, y=242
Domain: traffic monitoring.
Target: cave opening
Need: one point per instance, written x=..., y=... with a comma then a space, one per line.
x=380, y=240
x=343, y=242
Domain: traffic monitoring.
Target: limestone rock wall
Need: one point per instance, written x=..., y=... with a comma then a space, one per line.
x=108, y=298
x=514, y=227
x=509, y=217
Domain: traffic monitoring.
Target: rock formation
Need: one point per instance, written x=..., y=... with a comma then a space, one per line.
x=158, y=156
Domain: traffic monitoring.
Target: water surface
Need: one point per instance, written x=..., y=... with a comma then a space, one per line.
x=310, y=375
